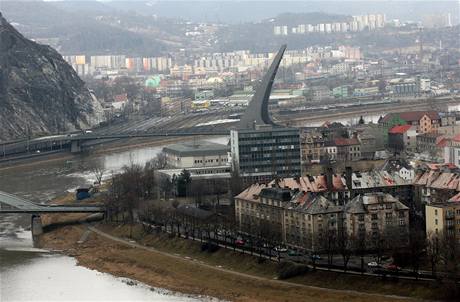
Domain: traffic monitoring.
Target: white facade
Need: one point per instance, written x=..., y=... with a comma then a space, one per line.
x=425, y=85
x=452, y=155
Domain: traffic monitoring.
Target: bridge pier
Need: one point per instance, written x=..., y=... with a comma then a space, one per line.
x=75, y=146
x=36, y=226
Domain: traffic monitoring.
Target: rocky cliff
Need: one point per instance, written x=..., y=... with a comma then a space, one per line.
x=39, y=92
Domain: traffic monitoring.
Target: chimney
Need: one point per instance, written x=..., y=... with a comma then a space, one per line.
x=348, y=180
x=329, y=174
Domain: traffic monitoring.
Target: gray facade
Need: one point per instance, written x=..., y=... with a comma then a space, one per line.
x=261, y=154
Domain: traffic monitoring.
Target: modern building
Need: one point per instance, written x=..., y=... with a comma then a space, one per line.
x=265, y=152
x=196, y=155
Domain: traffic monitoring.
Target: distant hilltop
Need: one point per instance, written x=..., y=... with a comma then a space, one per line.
x=39, y=91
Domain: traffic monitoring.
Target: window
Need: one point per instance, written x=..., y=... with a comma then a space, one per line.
x=374, y=217
x=361, y=217
x=436, y=222
x=435, y=212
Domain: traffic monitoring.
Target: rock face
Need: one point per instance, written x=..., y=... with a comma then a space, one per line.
x=39, y=92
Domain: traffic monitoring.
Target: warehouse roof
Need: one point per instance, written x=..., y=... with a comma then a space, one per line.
x=196, y=149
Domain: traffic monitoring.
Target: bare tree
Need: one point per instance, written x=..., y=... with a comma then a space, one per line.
x=417, y=244
x=329, y=246
x=433, y=252
x=344, y=246
x=160, y=161
x=98, y=173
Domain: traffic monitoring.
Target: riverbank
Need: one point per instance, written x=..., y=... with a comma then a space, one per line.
x=112, y=147
x=180, y=265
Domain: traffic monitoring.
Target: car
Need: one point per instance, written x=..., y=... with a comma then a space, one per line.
x=280, y=249
x=294, y=253
x=315, y=257
x=373, y=264
x=239, y=242
x=392, y=267
x=88, y=131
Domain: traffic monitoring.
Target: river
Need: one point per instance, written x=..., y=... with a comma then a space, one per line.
x=31, y=274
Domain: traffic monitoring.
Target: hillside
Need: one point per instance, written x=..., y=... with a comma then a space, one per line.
x=39, y=91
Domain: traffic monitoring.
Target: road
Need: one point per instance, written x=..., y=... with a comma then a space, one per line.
x=242, y=275
x=353, y=268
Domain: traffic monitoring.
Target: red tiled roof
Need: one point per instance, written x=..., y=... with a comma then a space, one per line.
x=455, y=198
x=410, y=116
x=399, y=129
x=346, y=141
x=456, y=138
x=120, y=97
x=442, y=143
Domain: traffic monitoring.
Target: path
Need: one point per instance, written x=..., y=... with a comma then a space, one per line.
x=263, y=279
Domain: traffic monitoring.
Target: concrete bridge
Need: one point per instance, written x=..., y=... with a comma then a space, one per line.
x=77, y=140
x=257, y=112
x=13, y=204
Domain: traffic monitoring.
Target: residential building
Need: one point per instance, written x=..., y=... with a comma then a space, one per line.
x=348, y=149
x=443, y=219
x=400, y=167
x=311, y=146
x=424, y=121
x=341, y=92
x=371, y=217
x=314, y=223
x=436, y=183
x=321, y=93
x=265, y=152
x=430, y=143
x=330, y=151
x=452, y=151
x=402, y=138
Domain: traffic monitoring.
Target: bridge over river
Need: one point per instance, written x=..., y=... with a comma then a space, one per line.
x=12, y=204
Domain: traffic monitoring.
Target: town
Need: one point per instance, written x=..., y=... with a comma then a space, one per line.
x=309, y=154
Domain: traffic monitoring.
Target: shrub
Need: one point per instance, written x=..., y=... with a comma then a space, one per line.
x=288, y=269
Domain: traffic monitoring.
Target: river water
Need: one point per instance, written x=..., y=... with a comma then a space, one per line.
x=30, y=274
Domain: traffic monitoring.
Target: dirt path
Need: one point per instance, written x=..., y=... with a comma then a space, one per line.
x=365, y=296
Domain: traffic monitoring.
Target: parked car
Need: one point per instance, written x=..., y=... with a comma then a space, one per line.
x=373, y=264
x=239, y=242
x=392, y=267
x=315, y=257
x=280, y=249
x=294, y=253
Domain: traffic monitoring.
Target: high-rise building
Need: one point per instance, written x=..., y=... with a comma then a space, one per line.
x=284, y=31
x=265, y=152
